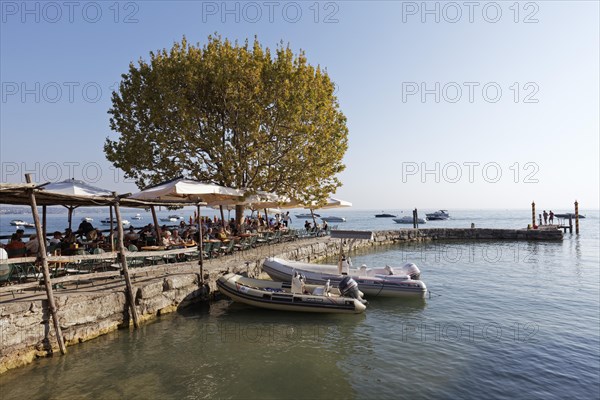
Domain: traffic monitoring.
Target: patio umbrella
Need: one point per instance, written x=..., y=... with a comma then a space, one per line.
x=331, y=203
x=77, y=188
x=181, y=189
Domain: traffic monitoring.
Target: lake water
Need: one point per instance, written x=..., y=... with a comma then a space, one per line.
x=504, y=320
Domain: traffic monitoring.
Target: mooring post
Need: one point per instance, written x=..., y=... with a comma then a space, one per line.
x=570, y=224
x=45, y=272
x=532, y=214
x=123, y=259
x=576, y=217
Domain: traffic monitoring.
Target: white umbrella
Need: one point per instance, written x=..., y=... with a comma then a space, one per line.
x=193, y=191
x=189, y=190
x=334, y=203
x=76, y=187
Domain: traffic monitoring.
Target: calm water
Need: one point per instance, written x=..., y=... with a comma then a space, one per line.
x=518, y=320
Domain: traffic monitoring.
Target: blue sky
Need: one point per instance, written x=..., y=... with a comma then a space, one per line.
x=491, y=106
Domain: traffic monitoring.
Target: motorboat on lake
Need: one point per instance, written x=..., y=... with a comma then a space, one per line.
x=106, y=221
x=384, y=282
x=307, y=216
x=384, y=215
x=18, y=222
x=88, y=219
x=567, y=215
x=172, y=218
x=440, y=215
x=136, y=216
x=408, y=220
x=294, y=296
x=333, y=219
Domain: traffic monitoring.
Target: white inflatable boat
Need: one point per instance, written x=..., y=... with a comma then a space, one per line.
x=294, y=296
x=385, y=282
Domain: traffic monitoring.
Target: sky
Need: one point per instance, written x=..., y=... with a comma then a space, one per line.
x=485, y=105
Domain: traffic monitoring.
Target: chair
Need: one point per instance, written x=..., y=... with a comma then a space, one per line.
x=133, y=261
x=227, y=248
x=207, y=250
x=16, y=253
x=6, y=272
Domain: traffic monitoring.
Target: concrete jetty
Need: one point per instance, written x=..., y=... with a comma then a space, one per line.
x=97, y=305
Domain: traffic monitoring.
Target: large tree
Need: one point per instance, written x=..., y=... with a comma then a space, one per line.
x=231, y=114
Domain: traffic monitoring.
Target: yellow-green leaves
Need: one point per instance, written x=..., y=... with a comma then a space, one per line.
x=234, y=114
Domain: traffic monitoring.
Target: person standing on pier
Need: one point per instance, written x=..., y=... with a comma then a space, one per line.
x=545, y=218
x=551, y=217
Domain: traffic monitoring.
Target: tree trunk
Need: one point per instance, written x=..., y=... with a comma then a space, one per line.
x=239, y=214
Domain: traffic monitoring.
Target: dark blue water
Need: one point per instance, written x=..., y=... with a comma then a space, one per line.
x=505, y=320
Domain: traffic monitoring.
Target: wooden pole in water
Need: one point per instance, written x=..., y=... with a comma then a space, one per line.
x=576, y=217
x=123, y=259
x=532, y=214
x=45, y=272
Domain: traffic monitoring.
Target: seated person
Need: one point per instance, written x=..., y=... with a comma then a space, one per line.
x=176, y=240
x=221, y=235
x=131, y=235
x=69, y=237
x=33, y=245
x=15, y=244
x=166, y=239
x=56, y=238
x=84, y=228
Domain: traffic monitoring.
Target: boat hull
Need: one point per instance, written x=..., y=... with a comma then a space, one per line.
x=286, y=301
x=282, y=270
x=408, y=220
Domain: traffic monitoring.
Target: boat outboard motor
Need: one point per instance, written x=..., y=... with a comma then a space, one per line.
x=412, y=270
x=349, y=288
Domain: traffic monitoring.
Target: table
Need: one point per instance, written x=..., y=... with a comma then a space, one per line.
x=152, y=248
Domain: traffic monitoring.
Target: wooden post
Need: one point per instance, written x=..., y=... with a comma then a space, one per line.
x=222, y=216
x=532, y=214
x=70, y=216
x=312, y=213
x=123, y=259
x=200, y=245
x=45, y=272
x=156, y=226
x=111, y=235
x=44, y=223
x=570, y=224
x=576, y=217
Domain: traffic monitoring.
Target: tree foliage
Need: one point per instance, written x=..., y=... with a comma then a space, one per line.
x=231, y=114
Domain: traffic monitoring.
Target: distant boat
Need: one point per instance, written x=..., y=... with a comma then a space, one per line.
x=88, y=219
x=18, y=222
x=408, y=220
x=106, y=221
x=172, y=218
x=333, y=219
x=440, y=215
x=136, y=216
x=384, y=215
x=307, y=216
x=567, y=215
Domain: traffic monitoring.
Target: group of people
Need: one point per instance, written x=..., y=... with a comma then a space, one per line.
x=16, y=247
x=548, y=217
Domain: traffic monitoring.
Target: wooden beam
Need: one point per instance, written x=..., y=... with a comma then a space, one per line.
x=45, y=272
